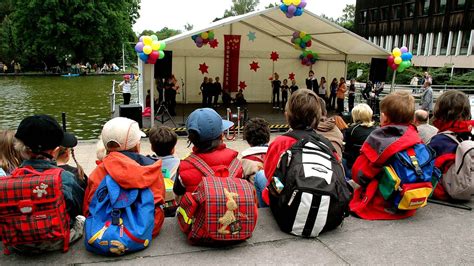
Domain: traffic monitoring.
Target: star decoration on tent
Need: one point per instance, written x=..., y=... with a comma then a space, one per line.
x=214, y=43
x=252, y=36
x=274, y=56
x=291, y=76
x=254, y=66
x=242, y=85
x=203, y=68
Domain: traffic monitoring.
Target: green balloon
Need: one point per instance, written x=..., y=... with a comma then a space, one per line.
x=306, y=38
x=162, y=45
x=297, y=40
x=154, y=37
x=400, y=68
x=211, y=35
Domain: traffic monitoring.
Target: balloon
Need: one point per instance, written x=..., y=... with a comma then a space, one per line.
x=161, y=54
x=211, y=35
x=309, y=43
x=297, y=46
x=405, y=64
x=154, y=37
x=302, y=34
x=297, y=40
x=199, y=39
x=396, y=52
x=147, y=40
x=303, y=45
x=199, y=44
x=287, y=2
x=306, y=38
x=194, y=37
x=390, y=59
x=404, y=49
x=143, y=57
x=393, y=66
x=147, y=49
x=301, y=56
x=296, y=34
x=310, y=56
x=204, y=35
x=302, y=4
x=205, y=41
x=141, y=39
x=154, y=55
x=162, y=45
x=289, y=15
x=397, y=60
x=155, y=45
x=299, y=11
x=409, y=55
x=296, y=2
x=139, y=47
x=291, y=10
x=284, y=8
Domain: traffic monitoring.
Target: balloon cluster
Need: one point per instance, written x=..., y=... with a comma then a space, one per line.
x=203, y=38
x=301, y=40
x=149, y=49
x=400, y=59
x=308, y=57
x=292, y=7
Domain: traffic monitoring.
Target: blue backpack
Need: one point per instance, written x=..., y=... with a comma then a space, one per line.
x=120, y=221
x=410, y=178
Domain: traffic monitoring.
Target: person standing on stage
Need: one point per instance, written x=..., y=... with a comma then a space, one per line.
x=217, y=91
x=312, y=82
x=204, y=91
x=171, y=89
x=276, y=84
x=126, y=87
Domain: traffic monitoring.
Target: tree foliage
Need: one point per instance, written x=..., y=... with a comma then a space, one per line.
x=347, y=19
x=50, y=31
x=162, y=34
x=240, y=7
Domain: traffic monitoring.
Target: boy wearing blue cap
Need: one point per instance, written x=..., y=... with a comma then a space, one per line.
x=205, y=131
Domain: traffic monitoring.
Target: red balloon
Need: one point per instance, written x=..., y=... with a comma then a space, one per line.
x=154, y=55
x=309, y=43
x=394, y=66
x=205, y=41
x=309, y=56
x=390, y=59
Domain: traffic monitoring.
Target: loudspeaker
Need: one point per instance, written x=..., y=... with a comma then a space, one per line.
x=164, y=67
x=132, y=111
x=378, y=70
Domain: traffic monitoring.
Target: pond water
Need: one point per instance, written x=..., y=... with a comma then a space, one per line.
x=85, y=100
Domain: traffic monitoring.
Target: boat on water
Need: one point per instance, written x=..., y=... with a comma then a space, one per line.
x=70, y=75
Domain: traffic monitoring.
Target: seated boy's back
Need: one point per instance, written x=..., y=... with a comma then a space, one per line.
x=163, y=141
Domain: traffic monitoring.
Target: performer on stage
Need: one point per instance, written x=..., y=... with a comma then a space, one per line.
x=312, y=82
x=171, y=89
x=126, y=87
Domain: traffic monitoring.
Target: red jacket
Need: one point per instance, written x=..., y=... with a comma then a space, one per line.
x=379, y=147
x=219, y=160
x=129, y=174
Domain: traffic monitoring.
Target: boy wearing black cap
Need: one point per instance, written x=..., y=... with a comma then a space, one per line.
x=205, y=131
x=42, y=136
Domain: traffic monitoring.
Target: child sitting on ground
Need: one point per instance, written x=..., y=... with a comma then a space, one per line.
x=257, y=135
x=395, y=134
x=124, y=163
x=205, y=127
x=10, y=152
x=327, y=127
x=42, y=136
x=62, y=159
x=452, y=113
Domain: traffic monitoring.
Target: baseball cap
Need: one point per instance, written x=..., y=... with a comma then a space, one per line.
x=123, y=131
x=42, y=133
x=207, y=123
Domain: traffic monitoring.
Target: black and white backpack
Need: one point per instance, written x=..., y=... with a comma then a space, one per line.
x=308, y=193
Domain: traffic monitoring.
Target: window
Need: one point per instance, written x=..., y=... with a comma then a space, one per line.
x=434, y=36
x=363, y=16
x=410, y=10
x=442, y=6
x=416, y=39
x=454, y=42
x=425, y=7
x=396, y=12
x=459, y=4
x=374, y=15
x=384, y=14
x=465, y=42
x=444, y=44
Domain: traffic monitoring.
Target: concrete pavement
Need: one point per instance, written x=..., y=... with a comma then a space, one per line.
x=435, y=235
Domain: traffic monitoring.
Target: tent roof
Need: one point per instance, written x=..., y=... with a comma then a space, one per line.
x=328, y=38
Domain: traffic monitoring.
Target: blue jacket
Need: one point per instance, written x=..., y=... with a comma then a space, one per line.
x=73, y=193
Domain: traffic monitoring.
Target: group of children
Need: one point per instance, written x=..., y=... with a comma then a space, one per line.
x=40, y=143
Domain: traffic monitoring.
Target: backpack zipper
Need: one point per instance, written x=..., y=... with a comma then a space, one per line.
x=293, y=197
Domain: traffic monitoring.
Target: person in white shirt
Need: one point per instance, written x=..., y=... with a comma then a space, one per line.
x=125, y=85
x=425, y=130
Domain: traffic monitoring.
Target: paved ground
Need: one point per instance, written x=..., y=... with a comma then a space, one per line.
x=436, y=235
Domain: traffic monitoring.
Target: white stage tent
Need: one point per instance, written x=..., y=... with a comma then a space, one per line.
x=273, y=31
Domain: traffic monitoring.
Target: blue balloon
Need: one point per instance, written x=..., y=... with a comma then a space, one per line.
x=143, y=57
x=299, y=11
x=409, y=56
x=405, y=57
x=284, y=8
x=194, y=37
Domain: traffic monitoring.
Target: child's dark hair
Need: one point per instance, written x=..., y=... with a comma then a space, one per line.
x=203, y=146
x=303, y=109
x=163, y=140
x=453, y=106
x=257, y=132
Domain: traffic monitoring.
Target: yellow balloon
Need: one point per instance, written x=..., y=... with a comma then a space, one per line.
x=287, y=2
x=302, y=34
x=147, y=40
x=147, y=49
x=204, y=35
x=296, y=2
x=397, y=59
x=396, y=52
x=155, y=45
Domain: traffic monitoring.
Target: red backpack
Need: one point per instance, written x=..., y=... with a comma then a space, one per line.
x=221, y=209
x=32, y=208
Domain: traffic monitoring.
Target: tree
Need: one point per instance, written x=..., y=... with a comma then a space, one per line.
x=271, y=5
x=188, y=27
x=240, y=7
x=83, y=31
x=348, y=17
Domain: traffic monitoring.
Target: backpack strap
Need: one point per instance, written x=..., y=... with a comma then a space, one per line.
x=234, y=167
x=304, y=134
x=452, y=136
x=200, y=164
x=411, y=153
x=21, y=171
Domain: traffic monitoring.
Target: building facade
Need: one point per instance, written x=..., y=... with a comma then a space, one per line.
x=439, y=33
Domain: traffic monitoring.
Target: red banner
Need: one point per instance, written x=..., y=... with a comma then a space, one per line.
x=231, y=62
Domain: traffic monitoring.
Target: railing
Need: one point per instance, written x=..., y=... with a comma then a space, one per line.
x=112, y=98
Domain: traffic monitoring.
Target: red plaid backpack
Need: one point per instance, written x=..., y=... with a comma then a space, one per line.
x=32, y=208
x=221, y=209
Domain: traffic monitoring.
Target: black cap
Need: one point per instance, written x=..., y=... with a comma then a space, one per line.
x=42, y=133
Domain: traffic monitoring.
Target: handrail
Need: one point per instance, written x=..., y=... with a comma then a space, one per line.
x=112, y=98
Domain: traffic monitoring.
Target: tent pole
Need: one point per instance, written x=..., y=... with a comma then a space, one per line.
x=152, y=95
x=185, y=94
x=393, y=81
